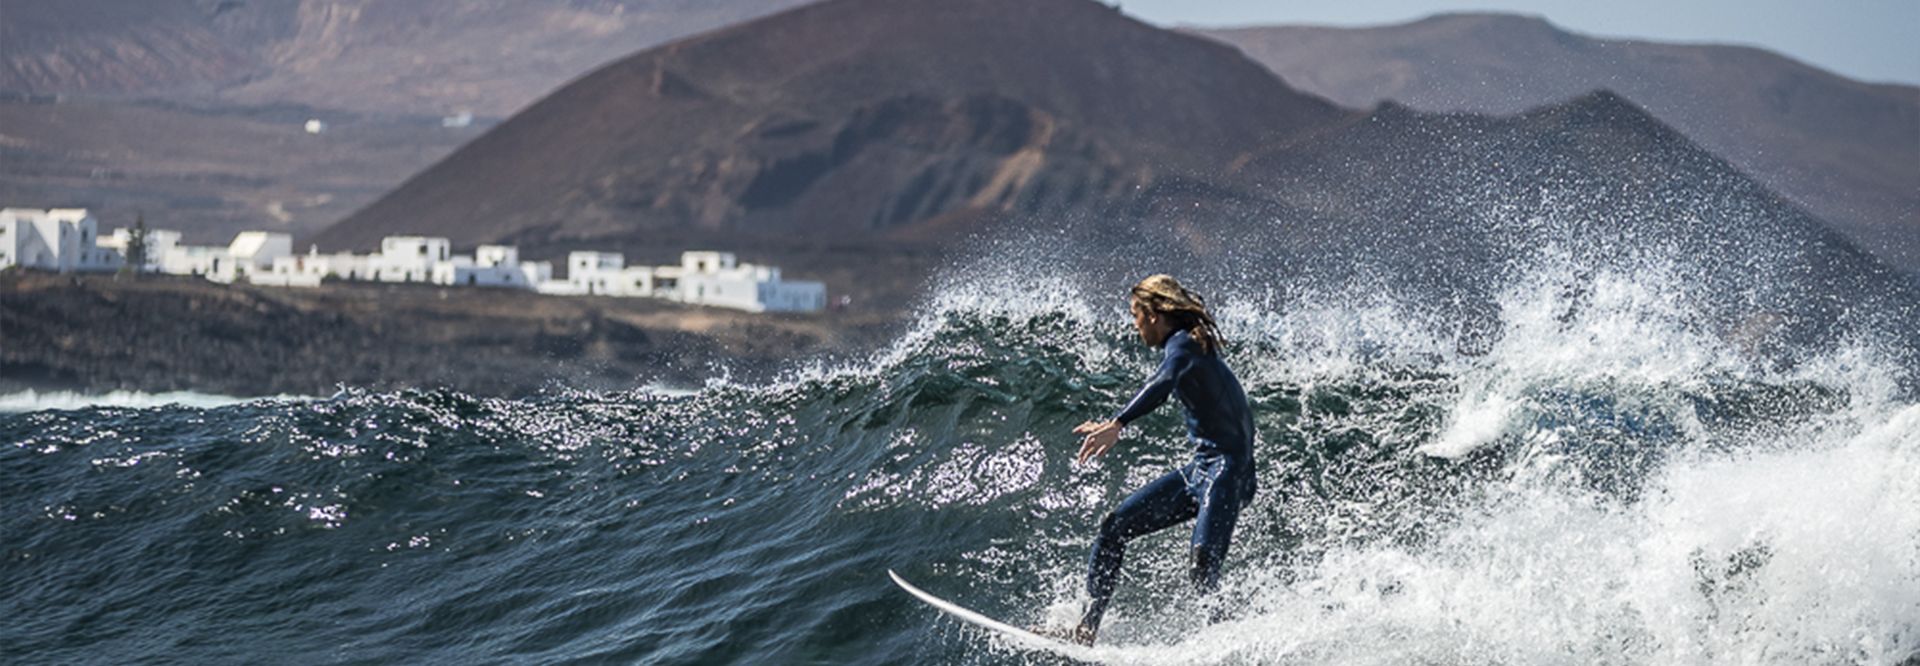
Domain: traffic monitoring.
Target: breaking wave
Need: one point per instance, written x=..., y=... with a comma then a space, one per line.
x=1601, y=477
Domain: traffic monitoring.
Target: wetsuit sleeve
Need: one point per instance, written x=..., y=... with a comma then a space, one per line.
x=1158, y=387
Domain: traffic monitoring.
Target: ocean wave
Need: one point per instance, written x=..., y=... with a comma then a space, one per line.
x=30, y=400
x=1590, y=473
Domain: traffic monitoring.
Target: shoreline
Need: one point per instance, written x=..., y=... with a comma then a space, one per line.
x=94, y=334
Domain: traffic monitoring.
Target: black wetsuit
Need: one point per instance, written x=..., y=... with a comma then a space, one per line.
x=1211, y=489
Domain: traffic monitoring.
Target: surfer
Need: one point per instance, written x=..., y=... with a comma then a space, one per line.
x=1212, y=488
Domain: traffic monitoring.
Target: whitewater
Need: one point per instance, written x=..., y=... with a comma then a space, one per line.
x=1609, y=479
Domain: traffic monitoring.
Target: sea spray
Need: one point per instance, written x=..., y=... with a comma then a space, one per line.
x=1622, y=482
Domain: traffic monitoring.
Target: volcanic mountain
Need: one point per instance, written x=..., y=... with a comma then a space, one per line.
x=854, y=119
x=189, y=113
x=1849, y=151
x=130, y=47
x=1062, y=124
x=393, y=57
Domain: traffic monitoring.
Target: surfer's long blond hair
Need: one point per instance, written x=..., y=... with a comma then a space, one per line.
x=1184, y=308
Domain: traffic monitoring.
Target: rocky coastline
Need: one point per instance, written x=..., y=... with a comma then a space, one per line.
x=98, y=333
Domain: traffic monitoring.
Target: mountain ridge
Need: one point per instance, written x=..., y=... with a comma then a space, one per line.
x=853, y=116
x=1845, y=149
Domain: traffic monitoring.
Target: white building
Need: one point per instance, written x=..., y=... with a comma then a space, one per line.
x=253, y=252
x=717, y=279
x=254, y=256
x=53, y=239
x=496, y=255
x=65, y=240
x=702, y=278
x=294, y=271
x=590, y=274
x=409, y=258
x=537, y=272
x=491, y=266
x=309, y=269
x=159, y=243
x=208, y=261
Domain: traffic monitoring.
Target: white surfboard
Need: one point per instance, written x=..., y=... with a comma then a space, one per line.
x=1018, y=636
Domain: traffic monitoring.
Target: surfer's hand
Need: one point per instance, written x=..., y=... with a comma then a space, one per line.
x=1100, y=436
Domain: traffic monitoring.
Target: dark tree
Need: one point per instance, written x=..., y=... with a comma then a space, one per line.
x=137, y=246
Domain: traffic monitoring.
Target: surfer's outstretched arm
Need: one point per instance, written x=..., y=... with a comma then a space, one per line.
x=1101, y=435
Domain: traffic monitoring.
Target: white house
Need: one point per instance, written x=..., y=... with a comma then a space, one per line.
x=589, y=274
x=292, y=271
x=496, y=255
x=409, y=258
x=717, y=279
x=159, y=243
x=298, y=270
x=254, y=256
x=702, y=278
x=64, y=239
x=491, y=266
x=315, y=267
x=53, y=239
x=253, y=252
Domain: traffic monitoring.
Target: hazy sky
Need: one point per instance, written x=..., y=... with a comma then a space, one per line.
x=1872, y=40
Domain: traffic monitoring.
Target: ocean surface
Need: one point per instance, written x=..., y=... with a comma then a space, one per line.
x=1608, y=481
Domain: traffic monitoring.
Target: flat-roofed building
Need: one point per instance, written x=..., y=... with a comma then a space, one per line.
x=62, y=240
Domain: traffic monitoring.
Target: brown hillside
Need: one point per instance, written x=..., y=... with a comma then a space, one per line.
x=1848, y=151
x=490, y=57
x=854, y=119
x=209, y=174
x=224, y=150
x=122, y=47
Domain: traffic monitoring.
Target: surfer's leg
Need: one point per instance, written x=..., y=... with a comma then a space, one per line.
x=1154, y=507
x=1227, y=486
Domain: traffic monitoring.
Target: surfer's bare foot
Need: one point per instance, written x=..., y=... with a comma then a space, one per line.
x=1078, y=635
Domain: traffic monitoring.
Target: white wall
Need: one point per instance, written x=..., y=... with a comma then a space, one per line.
x=206, y=261
x=595, y=272
x=159, y=242
x=53, y=239
x=496, y=255
x=409, y=258
x=466, y=274
x=793, y=296
x=537, y=272
x=257, y=250
x=716, y=279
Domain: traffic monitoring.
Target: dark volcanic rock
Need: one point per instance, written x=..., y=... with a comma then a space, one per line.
x=100, y=333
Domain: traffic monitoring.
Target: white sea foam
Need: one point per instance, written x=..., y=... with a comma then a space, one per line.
x=1807, y=552
x=1803, y=548
x=1797, y=542
x=33, y=401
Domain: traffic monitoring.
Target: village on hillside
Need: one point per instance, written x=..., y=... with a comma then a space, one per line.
x=67, y=240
